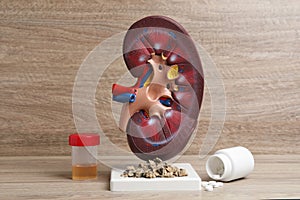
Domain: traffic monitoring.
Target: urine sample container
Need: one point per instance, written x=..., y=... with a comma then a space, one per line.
x=84, y=155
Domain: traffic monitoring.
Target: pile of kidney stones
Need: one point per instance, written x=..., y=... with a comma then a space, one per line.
x=153, y=169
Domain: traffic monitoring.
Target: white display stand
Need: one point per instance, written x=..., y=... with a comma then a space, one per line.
x=186, y=183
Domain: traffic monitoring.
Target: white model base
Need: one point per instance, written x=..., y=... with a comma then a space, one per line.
x=190, y=182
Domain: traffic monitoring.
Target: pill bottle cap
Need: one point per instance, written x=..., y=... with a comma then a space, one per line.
x=84, y=139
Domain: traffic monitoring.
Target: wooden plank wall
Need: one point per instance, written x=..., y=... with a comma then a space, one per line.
x=255, y=45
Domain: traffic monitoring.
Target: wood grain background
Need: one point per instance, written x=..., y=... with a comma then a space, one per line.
x=255, y=45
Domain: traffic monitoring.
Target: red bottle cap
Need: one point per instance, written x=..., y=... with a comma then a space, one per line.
x=84, y=139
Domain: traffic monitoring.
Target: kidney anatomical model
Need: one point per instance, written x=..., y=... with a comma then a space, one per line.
x=160, y=111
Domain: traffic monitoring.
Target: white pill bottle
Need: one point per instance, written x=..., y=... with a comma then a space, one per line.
x=230, y=164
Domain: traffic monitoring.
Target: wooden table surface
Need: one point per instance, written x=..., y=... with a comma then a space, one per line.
x=274, y=176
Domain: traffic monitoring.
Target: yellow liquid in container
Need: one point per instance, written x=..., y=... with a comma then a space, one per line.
x=84, y=172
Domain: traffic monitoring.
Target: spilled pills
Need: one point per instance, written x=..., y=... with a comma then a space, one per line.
x=210, y=185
